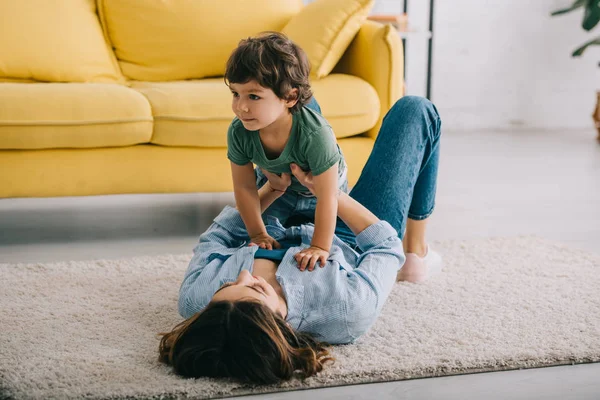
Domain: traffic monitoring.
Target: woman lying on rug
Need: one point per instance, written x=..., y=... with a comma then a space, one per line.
x=261, y=316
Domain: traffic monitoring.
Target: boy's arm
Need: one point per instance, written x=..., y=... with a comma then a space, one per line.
x=247, y=199
x=325, y=188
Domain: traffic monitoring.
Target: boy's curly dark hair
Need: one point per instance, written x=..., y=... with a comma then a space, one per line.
x=275, y=62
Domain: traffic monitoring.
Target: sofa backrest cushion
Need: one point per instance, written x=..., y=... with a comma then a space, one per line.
x=157, y=40
x=325, y=28
x=54, y=41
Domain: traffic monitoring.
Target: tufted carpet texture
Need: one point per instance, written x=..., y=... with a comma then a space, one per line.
x=74, y=330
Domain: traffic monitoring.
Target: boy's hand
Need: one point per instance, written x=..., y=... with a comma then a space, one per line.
x=264, y=241
x=305, y=178
x=279, y=183
x=310, y=256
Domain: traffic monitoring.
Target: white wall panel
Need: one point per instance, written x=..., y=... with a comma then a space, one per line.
x=503, y=63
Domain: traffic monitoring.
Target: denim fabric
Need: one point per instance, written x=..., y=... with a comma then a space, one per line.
x=337, y=303
x=313, y=105
x=399, y=179
x=293, y=208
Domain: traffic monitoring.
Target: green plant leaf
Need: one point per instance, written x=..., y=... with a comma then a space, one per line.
x=580, y=50
x=574, y=6
x=591, y=15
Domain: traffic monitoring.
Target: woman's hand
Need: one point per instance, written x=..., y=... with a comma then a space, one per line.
x=264, y=241
x=278, y=183
x=305, y=178
x=310, y=256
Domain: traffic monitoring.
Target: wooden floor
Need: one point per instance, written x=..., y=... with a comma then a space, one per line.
x=544, y=183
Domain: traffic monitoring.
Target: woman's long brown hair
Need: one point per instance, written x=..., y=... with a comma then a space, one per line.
x=244, y=340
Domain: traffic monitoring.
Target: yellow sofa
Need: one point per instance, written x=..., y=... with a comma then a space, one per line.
x=127, y=96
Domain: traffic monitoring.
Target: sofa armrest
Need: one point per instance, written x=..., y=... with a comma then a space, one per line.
x=376, y=55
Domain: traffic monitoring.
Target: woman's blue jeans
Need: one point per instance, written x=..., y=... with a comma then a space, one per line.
x=400, y=176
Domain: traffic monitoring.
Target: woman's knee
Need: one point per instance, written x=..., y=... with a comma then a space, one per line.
x=416, y=109
x=411, y=105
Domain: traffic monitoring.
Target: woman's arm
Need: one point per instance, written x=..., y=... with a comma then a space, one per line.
x=354, y=214
x=371, y=281
x=267, y=195
x=375, y=274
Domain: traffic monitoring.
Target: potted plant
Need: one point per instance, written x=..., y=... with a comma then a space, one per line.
x=591, y=16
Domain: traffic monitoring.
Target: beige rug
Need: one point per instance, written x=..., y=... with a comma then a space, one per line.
x=87, y=329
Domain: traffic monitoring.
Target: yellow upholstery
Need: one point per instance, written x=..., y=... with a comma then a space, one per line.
x=197, y=113
x=348, y=103
x=189, y=113
x=375, y=56
x=157, y=40
x=134, y=169
x=16, y=80
x=54, y=41
x=324, y=29
x=72, y=115
x=89, y=131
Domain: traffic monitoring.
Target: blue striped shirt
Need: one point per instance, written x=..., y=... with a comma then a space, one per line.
x=336, y=304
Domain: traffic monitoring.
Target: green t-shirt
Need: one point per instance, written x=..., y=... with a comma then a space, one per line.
x=311, y=145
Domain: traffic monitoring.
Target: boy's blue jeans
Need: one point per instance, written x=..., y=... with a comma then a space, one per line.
x=399, y=179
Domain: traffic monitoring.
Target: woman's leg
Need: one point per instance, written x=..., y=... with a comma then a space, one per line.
x=414, y=237
x=399, y=180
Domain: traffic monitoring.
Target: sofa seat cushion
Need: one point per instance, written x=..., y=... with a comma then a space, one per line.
x=198, y=113
x=134, y=169
x=72, y=115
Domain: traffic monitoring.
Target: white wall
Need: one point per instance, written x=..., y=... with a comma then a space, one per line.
x=502, y=64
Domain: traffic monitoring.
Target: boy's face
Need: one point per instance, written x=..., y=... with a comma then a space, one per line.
x=256, y=106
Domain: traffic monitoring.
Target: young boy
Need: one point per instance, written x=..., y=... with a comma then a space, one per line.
x=273, y=128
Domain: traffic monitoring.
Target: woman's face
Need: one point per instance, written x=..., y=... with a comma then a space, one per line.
x=249, y=287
